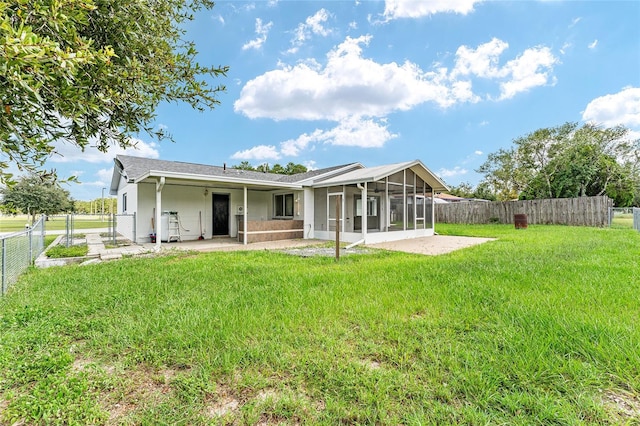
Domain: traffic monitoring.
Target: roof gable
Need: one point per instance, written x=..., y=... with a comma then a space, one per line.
x=378, y=173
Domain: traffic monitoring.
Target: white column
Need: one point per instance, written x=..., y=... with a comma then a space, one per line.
x=159, y=186
x=244, y=216
x=365, y=213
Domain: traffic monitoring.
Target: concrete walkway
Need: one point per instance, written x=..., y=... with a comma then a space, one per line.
x=97, y=249
x=434, y=245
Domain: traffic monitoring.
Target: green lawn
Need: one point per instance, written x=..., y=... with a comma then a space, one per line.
x=622, y=220
x=538, y=327
x=55, y=223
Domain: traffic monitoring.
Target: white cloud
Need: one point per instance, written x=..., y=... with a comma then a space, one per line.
x=313, y=25
x=310, y=165
x=482, y=61
x=483, y=123
x=353, y=25
x=69, y=153
x=395, y=9
x=456, y=171
x=218, y=18
x=262, y=31
x=574, y=22
x=260, y=152
x=619, y=108
x=565, y=47
x=103, y=179
x=348, y=85
x=105, y=174
x=352, y=131
x=478, y=152
x=593, y=44
x=352, y=85
x=529, y=70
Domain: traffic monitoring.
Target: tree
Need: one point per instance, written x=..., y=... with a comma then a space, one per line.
x=93, y=72
x=466, y=190
x=244, y=165
x=567, y=161
x=33, y=195
x=290, y=169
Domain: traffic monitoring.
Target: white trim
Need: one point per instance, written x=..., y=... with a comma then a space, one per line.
x=221, y=179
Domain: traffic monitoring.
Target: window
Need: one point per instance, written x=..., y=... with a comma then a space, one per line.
x=283, y=205
x=372, y=206
x=124, y=202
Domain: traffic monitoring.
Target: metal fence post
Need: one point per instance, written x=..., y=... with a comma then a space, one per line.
x=30, y=245
x=67, y=230
x=4, y=267
x=115, y=221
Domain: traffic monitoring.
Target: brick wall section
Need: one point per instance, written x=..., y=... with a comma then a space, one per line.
x=272, y=230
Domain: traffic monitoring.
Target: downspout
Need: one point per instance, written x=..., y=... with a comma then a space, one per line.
x=159, y=186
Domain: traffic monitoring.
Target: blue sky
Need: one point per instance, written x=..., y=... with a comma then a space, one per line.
x=322, y=83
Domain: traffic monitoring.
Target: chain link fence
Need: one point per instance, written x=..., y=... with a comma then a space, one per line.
x=18, y=252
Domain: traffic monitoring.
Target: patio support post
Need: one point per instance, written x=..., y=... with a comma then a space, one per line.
x=433, y=210
x=404, y=200
x=387, y=203
x=365, y=213
x=244, y=217
x=158, y=218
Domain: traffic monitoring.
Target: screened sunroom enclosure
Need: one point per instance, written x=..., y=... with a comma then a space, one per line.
x=376, y=205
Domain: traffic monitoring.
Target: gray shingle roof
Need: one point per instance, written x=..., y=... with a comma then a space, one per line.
x=137, y=167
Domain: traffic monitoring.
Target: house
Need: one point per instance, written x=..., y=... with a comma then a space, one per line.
x=169, y=200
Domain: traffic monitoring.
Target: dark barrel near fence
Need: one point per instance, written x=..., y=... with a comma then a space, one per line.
x=520, y=220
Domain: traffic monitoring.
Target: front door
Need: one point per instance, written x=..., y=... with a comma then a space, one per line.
x=220, y=215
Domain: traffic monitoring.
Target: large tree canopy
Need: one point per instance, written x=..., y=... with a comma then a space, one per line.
x=93, y=72
x=33, y=195
x=567, y=161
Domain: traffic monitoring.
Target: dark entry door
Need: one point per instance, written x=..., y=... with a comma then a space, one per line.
x=220, y=214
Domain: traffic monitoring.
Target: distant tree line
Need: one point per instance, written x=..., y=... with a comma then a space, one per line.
x=289, y=169
x=42, y=194
x=563, y=162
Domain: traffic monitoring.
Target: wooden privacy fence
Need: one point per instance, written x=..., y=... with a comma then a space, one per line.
x=582, y=211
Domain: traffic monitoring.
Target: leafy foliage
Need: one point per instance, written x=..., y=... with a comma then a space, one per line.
x=290, y=169
x=466, y=190
x=34, y=194
x=567, y=161
x=93, y=72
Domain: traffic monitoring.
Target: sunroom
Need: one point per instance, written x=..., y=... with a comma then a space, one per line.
x=377, y=204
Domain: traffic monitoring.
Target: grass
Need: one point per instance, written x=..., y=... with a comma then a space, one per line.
x=55, y=223
x=60, y=251
x=624, y=220
x=538, y=327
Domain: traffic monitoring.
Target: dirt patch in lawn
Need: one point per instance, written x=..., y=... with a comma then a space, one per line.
x=432, y=246
x=623, y=405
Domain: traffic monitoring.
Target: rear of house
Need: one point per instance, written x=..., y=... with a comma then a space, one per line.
x=175, y=201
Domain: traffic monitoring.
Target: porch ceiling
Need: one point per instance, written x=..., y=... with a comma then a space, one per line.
x=216, y=183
